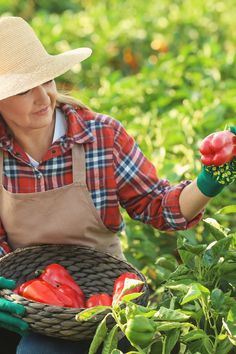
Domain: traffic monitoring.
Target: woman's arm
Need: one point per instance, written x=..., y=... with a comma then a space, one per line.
x=192, y=201
x=146, y=197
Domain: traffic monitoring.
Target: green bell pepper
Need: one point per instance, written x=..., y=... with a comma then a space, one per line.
x=140, y=331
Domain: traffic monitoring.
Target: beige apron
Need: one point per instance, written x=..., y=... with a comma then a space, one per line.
x=64, y=215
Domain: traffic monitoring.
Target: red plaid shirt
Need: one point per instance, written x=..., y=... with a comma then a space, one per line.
x=117, y=173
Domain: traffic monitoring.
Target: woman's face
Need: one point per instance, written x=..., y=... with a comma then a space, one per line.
x=29, y=110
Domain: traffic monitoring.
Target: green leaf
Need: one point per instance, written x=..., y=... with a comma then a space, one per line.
x=224, y=346
x=193, y=335
x=87, y=314
x=203, y=346
x=187, y=235
x=195, y=292
x=117, y=351
x=171, y=340
x=186, y=256
x=214, y=228
x=195, y=249
x=129, y=284
x=133, y=309
x=196, y=315
x=181, y=285
x=167, y=262
x=220, y=247
x=217, y=299
x=231, y=321
x=99, y=337
x=179, y=272
x=166, y=314
x=230, y=255
x=227, y=267
x=215, y=250
x=111, y=341
x=167, y=325
x=229, y=280
x=131, y=297
x=229, y=327
x=227, y=210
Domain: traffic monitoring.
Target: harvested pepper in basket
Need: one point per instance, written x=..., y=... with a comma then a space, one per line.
x=40, y=291
x=102, y=299
x=120, y=282
x=55, y=274
x=54, y=286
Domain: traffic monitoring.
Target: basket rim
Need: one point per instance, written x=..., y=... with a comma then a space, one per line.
x=64, y=245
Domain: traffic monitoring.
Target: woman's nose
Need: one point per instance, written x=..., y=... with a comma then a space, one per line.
x=41, y=95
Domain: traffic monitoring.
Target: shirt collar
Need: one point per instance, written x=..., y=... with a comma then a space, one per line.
x=78, y=127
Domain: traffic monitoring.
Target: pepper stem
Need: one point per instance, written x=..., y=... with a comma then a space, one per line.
x=38, y=272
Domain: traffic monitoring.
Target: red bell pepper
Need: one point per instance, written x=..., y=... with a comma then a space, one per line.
x=41, y=291
x=20, y=288
x=218, y=148
x=69, y=296
x=120, y=282
x=55, y=274
x=102, y=299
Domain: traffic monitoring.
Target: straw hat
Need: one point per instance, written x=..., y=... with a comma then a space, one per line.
x=24, y=62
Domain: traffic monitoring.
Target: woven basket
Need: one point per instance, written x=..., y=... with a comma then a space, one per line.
x=95, y=270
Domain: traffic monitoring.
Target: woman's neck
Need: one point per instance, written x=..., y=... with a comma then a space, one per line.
x=37, y=143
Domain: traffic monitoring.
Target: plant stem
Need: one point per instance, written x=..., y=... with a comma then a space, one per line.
x=214, y=327
x=164, y=345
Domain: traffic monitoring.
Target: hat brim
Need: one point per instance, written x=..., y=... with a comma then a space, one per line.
x=49, y=68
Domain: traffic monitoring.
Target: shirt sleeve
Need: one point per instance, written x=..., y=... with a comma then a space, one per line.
x=145, y=197
x=4, y=247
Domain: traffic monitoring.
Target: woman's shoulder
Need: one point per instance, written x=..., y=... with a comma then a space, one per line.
x=97, y=118
x=91, y=119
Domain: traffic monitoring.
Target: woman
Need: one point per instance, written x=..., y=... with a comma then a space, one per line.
x=66, y=170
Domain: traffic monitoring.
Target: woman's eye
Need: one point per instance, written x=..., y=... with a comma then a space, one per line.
x=25, y=92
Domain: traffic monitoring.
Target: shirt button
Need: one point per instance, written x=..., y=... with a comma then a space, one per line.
x=39, y=176
x=54, y=151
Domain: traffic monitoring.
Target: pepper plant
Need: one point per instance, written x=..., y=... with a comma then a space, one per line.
x=203, y=287
x=194, y=309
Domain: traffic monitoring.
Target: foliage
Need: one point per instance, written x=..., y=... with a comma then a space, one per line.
x=166, y=70
x=196, y=307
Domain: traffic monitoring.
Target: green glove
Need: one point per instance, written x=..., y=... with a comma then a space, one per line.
x=8, y=309
x=213, y=178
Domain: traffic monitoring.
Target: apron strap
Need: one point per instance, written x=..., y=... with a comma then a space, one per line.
x=78, y=161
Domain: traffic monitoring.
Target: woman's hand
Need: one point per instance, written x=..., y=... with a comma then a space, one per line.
x=210, y=181
x=219, y=162
x=9, y=309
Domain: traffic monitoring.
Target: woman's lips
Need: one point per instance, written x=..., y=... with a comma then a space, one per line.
x=42, y=111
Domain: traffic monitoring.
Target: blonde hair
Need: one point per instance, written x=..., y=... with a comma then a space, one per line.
x=65, y=97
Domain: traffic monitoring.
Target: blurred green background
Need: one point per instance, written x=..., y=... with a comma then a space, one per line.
x=165, y=69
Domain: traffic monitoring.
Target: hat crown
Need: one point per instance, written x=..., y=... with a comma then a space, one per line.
x=19, y=47
x=25, y=63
